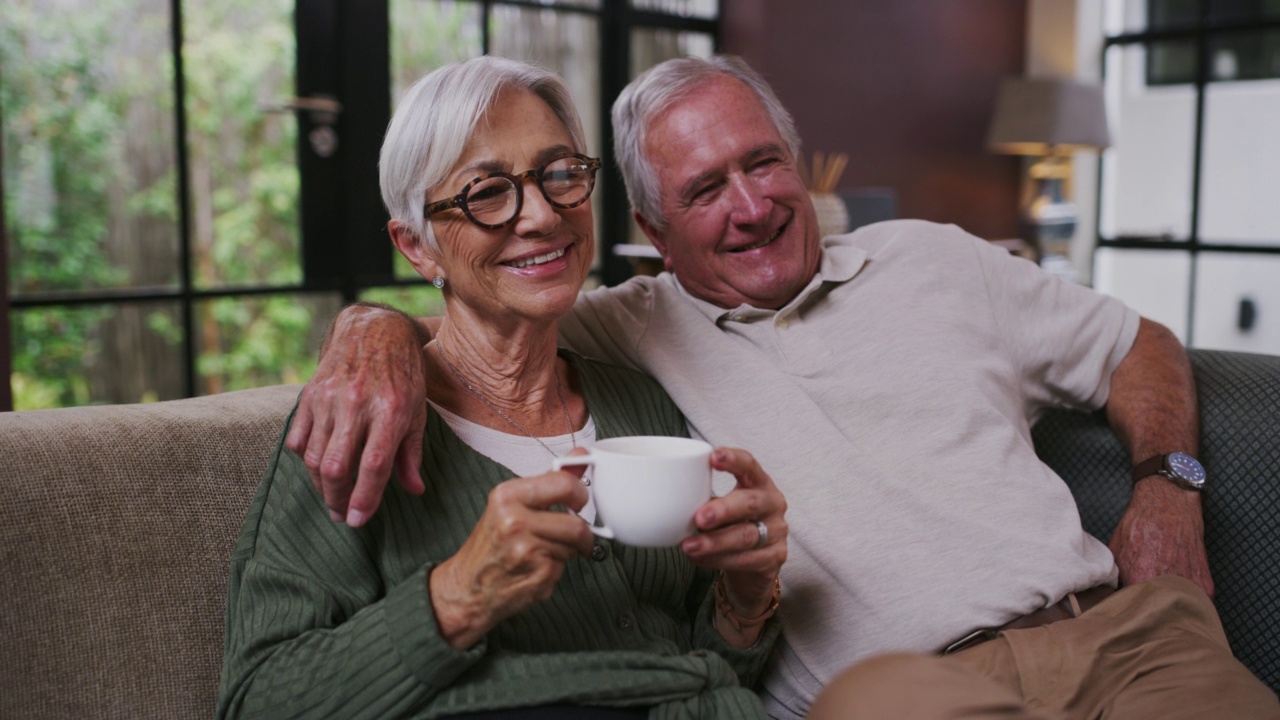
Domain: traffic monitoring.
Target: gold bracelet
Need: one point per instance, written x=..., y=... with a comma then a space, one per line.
x=737, y=621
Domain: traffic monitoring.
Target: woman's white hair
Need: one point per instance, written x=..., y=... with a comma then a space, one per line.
x=651, y=93
x=436, y=118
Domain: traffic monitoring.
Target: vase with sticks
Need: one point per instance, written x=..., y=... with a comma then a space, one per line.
x=833, y=215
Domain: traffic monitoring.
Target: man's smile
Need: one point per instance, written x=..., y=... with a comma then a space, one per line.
x=762, y=243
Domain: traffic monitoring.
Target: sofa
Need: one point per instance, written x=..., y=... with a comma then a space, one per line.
x=119, y=522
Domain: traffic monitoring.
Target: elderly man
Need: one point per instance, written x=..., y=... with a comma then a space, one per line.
x=888, y=380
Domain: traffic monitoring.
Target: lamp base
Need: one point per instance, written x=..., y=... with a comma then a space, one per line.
x=1049, y=221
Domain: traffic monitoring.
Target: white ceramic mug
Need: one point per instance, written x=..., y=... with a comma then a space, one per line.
x=646, y=488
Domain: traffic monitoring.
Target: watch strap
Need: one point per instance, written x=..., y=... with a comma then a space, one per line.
x=1150, y=466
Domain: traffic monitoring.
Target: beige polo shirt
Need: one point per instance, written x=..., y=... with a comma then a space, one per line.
x=891, y=401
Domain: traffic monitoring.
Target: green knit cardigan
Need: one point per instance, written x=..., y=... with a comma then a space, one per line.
x=324, y=620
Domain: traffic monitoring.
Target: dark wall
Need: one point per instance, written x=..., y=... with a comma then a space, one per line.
x=905, y=87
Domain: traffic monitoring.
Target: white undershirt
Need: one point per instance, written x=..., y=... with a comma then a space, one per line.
x=520, y=453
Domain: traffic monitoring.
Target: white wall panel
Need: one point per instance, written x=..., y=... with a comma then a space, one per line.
x=1156, y=283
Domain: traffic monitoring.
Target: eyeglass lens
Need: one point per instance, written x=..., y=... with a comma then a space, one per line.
x=564, y=182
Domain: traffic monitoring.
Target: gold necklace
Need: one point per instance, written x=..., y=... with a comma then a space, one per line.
x=471, y=389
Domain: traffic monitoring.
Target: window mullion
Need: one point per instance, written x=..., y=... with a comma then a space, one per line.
x=182, y=170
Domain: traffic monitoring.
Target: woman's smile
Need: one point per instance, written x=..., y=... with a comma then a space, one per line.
x=542, y=261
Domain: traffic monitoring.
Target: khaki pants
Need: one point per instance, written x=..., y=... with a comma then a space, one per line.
x=1154, y=650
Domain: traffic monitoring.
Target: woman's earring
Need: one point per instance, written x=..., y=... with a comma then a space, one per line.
x=438, y=282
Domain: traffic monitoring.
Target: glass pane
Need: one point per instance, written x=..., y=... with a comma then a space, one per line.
x=684, y=8
x=417, y=300
x=1240, y=170
x=1163, y=14
x=650, y=47
x=1128, y=16
x=87, y=102
x=1172, y=62
x=1147, y=172
x=66, y=356
x=1238, y=302
x=1156, y=283
x=1252, y=55
x=569, y=44
x=239, y=57
x=426, y=34
x=250, y=342
x=1237, y=10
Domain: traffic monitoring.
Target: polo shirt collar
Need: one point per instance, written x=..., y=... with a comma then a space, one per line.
x=841, y=260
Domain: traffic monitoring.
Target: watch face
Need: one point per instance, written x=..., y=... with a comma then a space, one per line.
x=1184, y=466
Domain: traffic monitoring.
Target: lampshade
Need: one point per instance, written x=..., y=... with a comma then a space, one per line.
x=1042, y=116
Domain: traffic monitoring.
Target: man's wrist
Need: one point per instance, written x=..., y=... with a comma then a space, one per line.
x=379, y=313
x=1157, y=494
x=356, y=316
x=1177, y=468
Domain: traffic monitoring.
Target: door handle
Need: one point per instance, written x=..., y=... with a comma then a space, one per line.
x=314, y=103
x=323, y=111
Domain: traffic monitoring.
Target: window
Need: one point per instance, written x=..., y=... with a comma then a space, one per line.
x=1235, y=47
x=1189, y=230
x=190, y=188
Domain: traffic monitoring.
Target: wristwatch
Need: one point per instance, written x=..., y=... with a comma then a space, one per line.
x=1180, y=468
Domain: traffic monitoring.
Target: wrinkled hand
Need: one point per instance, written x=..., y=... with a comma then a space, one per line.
x=363, y=412
x=1162, y=533
x=729, y=535
x=513, y=558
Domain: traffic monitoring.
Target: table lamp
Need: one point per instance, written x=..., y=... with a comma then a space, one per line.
x=1048, y=118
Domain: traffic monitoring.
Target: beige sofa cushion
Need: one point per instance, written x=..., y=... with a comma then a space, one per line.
x=117, y=528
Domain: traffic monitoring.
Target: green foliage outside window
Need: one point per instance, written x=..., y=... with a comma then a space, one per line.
x=88, y=100
x=60, y=125
x=87, y=107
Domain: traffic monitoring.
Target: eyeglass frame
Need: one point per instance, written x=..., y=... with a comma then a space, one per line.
x=460, y=200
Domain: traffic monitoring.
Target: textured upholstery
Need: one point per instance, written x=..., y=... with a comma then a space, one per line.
x=119, y=521
x=1240, y=448
x=116, y=531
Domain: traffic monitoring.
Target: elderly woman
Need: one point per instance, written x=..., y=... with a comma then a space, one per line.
x=484, y=595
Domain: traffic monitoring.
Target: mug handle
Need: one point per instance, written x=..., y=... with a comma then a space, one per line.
x=559, y=464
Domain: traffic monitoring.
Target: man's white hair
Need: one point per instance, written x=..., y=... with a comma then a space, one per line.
x=651, y=93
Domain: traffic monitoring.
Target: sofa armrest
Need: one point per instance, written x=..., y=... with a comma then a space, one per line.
x=1239, y=396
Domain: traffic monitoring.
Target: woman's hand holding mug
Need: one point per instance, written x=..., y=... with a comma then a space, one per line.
x=513, y=558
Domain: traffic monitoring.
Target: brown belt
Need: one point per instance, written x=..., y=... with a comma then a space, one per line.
x=1073, y=605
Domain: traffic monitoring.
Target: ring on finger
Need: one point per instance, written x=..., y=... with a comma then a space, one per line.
x=762, y=534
